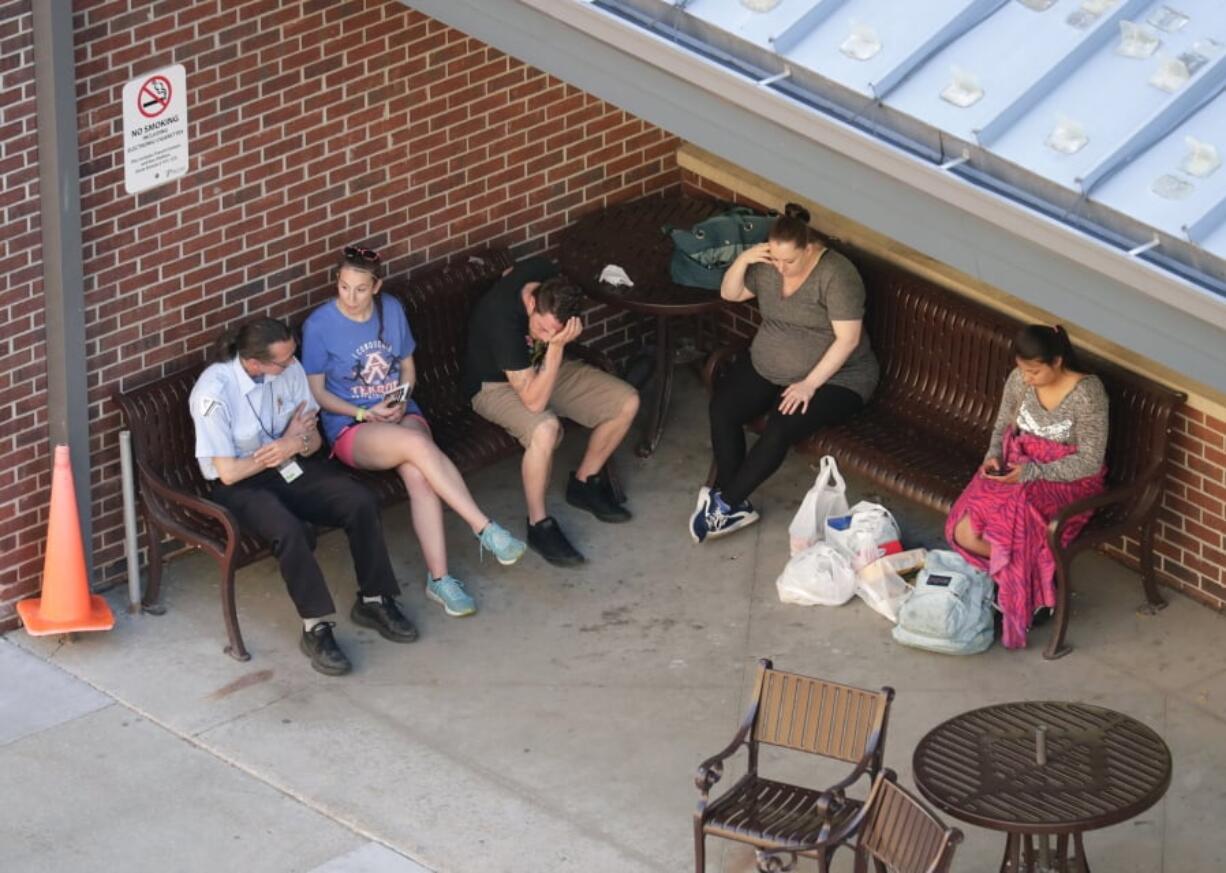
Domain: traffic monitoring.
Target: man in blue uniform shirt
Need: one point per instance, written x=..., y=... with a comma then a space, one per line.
x=257, y=443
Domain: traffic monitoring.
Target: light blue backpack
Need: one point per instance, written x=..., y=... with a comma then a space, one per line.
x=950, y=610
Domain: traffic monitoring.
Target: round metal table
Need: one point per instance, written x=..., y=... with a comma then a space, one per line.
x=631, y=236
x=1100, y=768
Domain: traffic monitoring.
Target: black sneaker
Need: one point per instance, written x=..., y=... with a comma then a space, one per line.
x=320, y=646
x=606, y=486
x=385, y=617
x=1042, y=616
x=547, y=540
x=592, y=496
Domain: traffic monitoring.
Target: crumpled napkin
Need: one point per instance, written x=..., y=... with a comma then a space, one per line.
x=615, y=275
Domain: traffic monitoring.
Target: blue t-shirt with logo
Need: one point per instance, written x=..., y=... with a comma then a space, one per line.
x=358, y=364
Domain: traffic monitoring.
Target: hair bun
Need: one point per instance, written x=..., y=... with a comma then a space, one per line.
x=795, y=210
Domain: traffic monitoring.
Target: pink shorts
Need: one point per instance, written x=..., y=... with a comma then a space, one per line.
x=343, y=447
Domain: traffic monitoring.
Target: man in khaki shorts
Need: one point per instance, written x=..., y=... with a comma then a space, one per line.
x=516, y=375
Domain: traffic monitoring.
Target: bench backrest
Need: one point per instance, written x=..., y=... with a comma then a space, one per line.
x=944, y=361
x=163, y=436
x=438, y=303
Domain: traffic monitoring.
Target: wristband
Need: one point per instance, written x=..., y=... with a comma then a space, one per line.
x=361, y=416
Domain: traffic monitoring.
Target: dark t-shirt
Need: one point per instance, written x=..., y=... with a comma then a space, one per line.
x=498, y=340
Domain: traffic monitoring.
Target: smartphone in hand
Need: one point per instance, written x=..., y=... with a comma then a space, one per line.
x=399, y=394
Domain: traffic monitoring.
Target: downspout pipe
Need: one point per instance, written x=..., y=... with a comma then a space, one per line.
x=63, y=270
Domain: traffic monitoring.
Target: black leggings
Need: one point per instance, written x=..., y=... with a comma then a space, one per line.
x=742, y=396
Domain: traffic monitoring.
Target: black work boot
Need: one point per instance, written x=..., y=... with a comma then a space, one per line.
x=385, y=617
x=592, y=495
x=547, y=540
x=320, y=646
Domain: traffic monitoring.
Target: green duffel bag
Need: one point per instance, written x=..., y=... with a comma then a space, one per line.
x=702, y=253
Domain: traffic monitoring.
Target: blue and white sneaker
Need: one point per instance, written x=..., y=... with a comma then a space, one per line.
x=498, y=540
x=698, y=521
x=451, y=594
x=713, y=518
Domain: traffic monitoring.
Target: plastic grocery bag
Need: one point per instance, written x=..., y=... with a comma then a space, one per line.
x=827, y=497
x=818, y=576
x=881, y=586
x=867, y=532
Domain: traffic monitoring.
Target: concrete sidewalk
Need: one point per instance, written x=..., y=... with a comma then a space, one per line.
x=556, y=730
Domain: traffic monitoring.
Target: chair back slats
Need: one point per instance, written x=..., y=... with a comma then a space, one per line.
x=810, y=715
x=901, y=834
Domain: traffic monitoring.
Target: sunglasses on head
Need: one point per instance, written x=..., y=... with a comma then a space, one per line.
x=357, y=253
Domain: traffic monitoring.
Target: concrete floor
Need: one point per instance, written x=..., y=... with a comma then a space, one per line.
x=558, y=729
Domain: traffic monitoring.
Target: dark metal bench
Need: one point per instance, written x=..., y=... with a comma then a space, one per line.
x=174, y=495
x=944, y=361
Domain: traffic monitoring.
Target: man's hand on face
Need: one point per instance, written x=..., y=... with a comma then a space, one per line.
x=568, y=333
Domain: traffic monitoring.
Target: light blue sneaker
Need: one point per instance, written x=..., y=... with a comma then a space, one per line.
x=451, y=594
x=498, y=540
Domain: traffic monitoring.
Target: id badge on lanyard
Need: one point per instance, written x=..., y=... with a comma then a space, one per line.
x=291, y=469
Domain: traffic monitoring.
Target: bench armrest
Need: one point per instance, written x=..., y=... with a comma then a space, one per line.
x=161, y=500
x=718, y=359
x=1142, y=492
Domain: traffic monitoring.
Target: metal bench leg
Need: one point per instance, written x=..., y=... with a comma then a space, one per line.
x=1154, y=600
x=1055, y=646
x=153, y=591
x=229, y=611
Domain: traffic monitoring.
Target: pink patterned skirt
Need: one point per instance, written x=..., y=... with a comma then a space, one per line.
x=1013, y=518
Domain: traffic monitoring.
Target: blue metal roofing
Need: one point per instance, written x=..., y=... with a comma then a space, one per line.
x=1111, y=113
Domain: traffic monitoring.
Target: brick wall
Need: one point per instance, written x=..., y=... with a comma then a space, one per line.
x=24, y=452
x=1191, y=538
x=313, y=124
x=1192, y=534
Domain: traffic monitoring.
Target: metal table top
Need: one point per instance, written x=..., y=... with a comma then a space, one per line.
x=631, y=236
x=1102, y=767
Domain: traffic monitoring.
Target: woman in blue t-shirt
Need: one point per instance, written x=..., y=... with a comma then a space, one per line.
x=357, y=349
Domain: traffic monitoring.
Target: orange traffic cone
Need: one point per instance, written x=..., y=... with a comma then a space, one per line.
x=66, y=605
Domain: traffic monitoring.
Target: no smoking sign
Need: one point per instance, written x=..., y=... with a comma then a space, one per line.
x=155, y=144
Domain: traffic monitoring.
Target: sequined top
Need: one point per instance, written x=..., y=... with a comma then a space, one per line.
x=1079, y=419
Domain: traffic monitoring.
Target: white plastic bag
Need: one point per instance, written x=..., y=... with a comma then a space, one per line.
x=827, y=497
x=818, y=576
x=882, y=588
x=866, y=533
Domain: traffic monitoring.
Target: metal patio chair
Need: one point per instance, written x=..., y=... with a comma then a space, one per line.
x=801, y=714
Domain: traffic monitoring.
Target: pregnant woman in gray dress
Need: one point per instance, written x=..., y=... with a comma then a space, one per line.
x=809, y=365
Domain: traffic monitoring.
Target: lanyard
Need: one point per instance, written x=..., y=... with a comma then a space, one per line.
x=260, y=420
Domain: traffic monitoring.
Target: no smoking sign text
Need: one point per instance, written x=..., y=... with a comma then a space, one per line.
x=155, y=143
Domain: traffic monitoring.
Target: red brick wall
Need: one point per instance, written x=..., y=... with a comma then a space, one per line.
x=313, y=124
x=1191, y=539
x=1192, y=534
x=24, y=452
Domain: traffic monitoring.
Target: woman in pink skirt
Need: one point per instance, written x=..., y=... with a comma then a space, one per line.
x=1047, y=451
